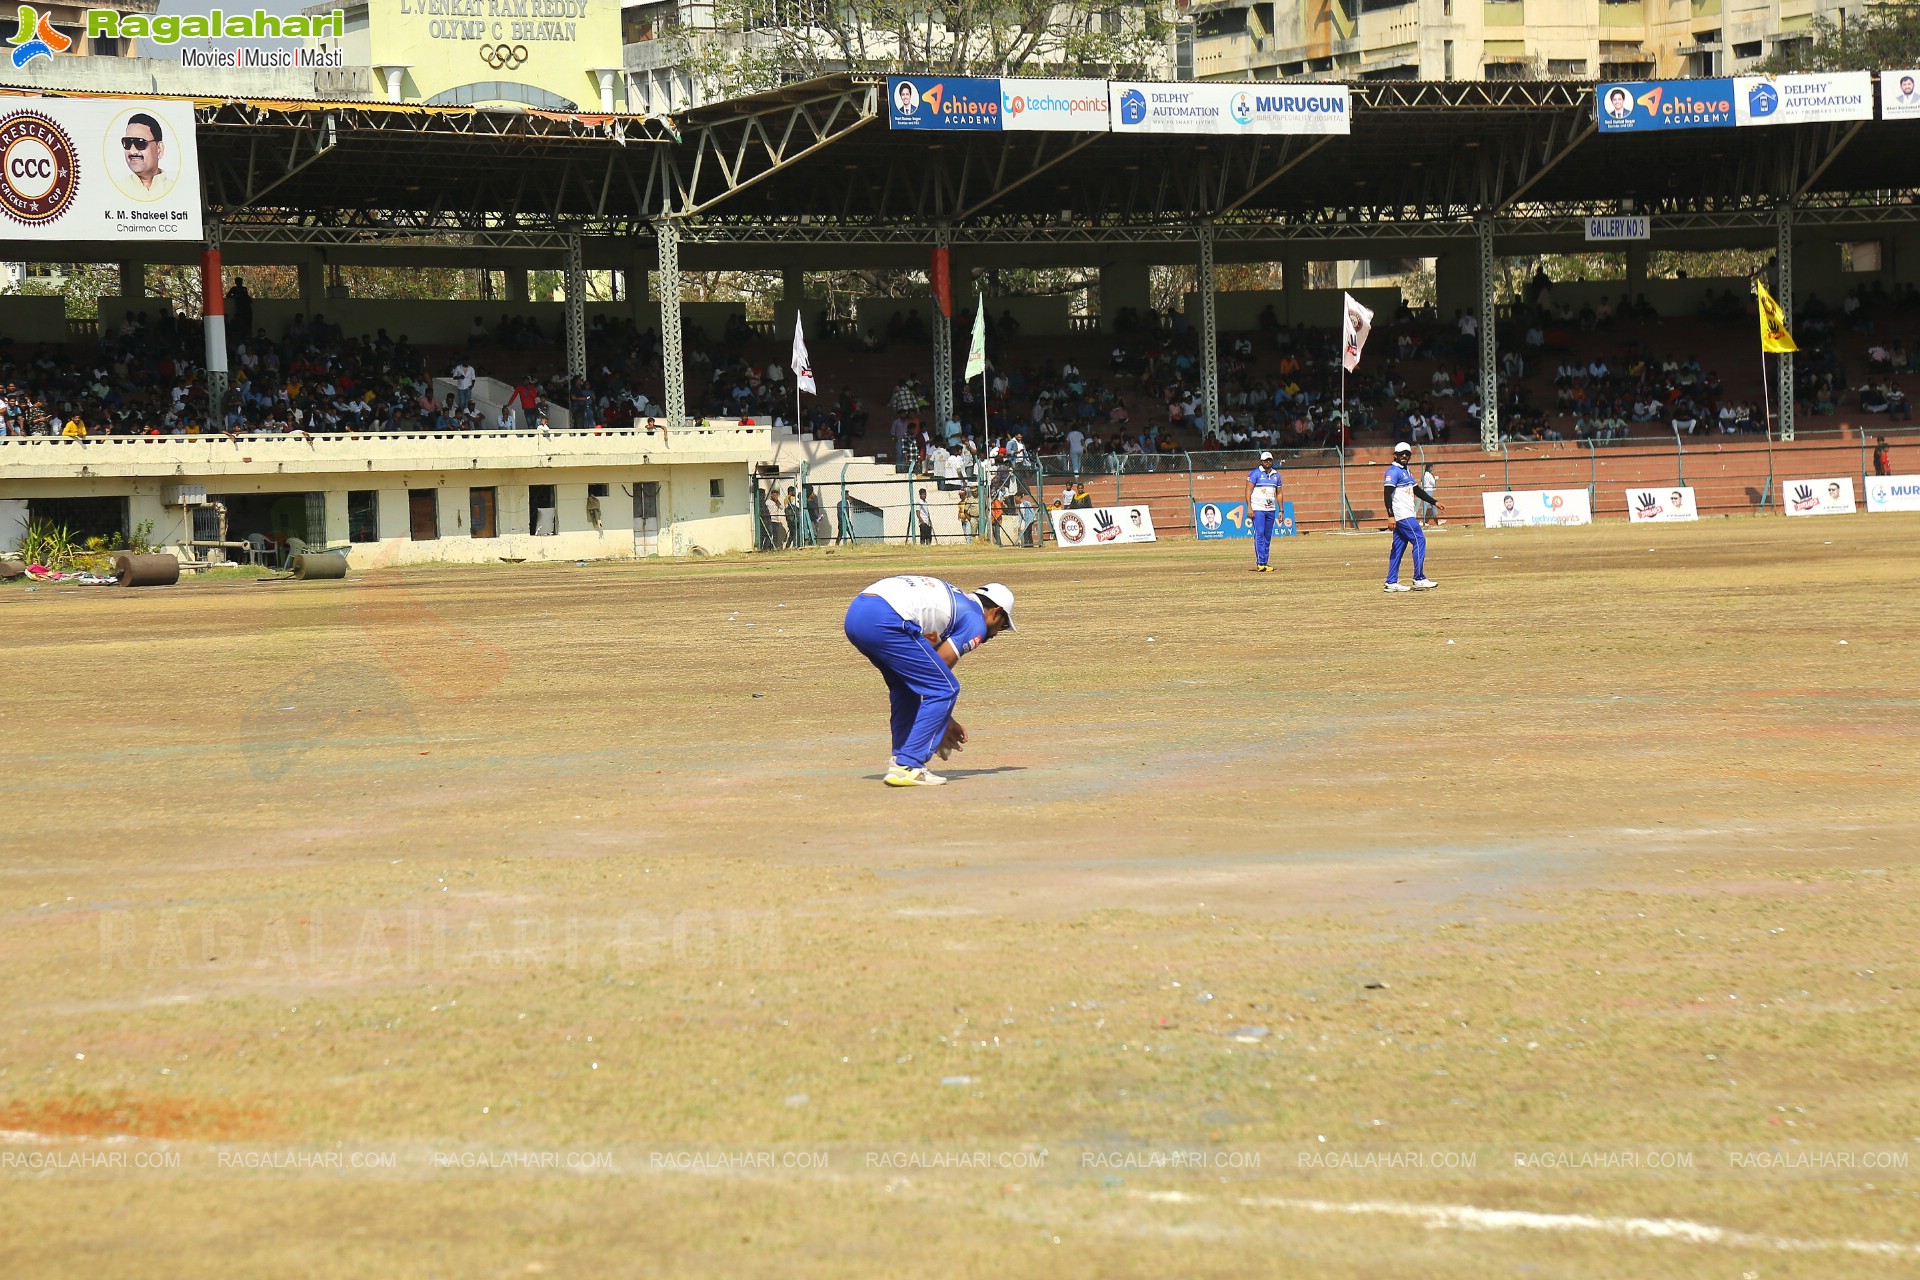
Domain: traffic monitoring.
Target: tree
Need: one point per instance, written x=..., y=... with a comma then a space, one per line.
x=1883, y=37
x=759, y=44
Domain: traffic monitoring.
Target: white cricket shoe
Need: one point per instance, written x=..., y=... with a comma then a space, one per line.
x=1424, y=584
x=1398, y=586
x=901, y=776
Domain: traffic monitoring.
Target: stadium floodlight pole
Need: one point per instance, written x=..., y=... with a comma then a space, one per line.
x=673, y=360
x=1784, y=296
x=1489, y=363
x=1209, y=329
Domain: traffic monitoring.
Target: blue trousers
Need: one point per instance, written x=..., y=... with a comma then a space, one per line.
x=922, y=687
x=1408, y=533
x=1263, y=523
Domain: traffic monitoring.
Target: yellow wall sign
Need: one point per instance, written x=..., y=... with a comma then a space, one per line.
x=550, y=55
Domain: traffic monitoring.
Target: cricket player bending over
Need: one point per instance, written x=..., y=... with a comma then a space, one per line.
x=914, y=629
x=1400, y=492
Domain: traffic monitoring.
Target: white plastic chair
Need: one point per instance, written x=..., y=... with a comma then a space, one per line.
x=259, y=550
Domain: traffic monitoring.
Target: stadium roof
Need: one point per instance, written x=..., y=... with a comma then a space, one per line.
x=815, y=163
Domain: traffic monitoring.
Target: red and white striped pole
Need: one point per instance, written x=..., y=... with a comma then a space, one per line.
x=213, y=312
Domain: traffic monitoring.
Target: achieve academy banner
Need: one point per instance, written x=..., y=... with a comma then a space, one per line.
x=99, y=169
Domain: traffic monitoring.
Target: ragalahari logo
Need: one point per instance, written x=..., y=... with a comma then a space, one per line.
x=37, y=38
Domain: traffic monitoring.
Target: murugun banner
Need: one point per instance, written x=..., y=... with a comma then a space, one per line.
x=1188, y=107
x=99, y=169
x=1893, y=493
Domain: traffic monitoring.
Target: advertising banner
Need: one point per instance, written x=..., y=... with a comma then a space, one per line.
x=1893, y=493
x=943, y=102
x=1138, y=107
x=1900, y=95
x=98, y=169
x=1213, y=520
x=1078, y=106
x=1521, y=508
x=1101, y=526
x=1803, y=99
x=1635, y=106
x=1645, y=506
x=1832, y=496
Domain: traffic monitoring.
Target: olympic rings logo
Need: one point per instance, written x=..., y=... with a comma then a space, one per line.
x=503, y=57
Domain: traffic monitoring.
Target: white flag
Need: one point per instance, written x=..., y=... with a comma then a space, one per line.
x=1356, y=324
x=802, y=365
x=977, y=353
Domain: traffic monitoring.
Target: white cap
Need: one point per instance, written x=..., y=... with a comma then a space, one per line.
x=1001, y=594
x=1265, y=456
x=1403, y=447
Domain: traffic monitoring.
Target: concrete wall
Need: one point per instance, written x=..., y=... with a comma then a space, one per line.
x=433, y=323
x=1049, y=316
x=1239, y=312
x=33, y=319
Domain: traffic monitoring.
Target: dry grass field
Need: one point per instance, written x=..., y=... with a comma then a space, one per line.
x=553, y=920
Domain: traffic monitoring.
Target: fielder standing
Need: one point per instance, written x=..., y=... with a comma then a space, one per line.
x=914, y=629
x=1263, y=500
x=1400, y=493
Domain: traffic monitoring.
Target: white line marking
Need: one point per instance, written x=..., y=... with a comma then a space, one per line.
x=1467, y=1218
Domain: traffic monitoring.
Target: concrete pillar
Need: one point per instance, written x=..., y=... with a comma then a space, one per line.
x=1456, y=284
x=1123, y=284
x=1637, y=269
x=1293, y=286
x=313, y=286
x=133, y=279
x=213, y=307
x=517, y=286
x=793, y=298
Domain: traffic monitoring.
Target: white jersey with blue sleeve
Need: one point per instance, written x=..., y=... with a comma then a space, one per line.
x=1400, y=480
x=939, y=609
x=1264, y=482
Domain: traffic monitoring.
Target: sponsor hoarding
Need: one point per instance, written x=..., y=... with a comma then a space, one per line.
x=1520, y=508
x=1831, y=496
x=1803, y=99
x=1893, y=493
x=1232, y=520
x=123, y=169
x=1102, y=526
x=1141, y=107
x=943, y=102
x=1675, y=502
x=1635, y=106
x=1078, y=106
x=1900, y=95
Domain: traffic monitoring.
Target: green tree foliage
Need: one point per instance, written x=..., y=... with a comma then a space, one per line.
x=759, y=44
x=1881, y=37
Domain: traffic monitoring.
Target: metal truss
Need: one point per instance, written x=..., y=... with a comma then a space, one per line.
x=1473, y=95
x=1489, y=340
x=1210, y=329
x=576, y=313
x=673, y=359
x=943, y=341
x=737, y=149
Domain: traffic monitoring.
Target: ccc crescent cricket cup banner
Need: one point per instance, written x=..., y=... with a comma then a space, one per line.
x=1102, y=526
x=1645, y=506
x=1190, y=107
x=96, y=169
x=1522, y=508
x=1832, y=496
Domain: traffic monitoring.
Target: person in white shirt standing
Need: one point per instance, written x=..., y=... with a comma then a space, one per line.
x=1400, y=493
x=1076, y=446
x=1263, y=500
x=463, y=384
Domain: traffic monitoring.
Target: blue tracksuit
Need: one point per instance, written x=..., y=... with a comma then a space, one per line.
x=1406, y=526
x=921, y=686
x=1265, y=481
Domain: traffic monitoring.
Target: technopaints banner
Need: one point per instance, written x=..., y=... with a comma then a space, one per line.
x=1522, y=508
x=1077, y=106
x=97, y=169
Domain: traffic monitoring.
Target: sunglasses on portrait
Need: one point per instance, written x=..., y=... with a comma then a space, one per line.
x=135, y=144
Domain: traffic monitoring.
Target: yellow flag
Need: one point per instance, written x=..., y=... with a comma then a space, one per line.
x=1773, y=323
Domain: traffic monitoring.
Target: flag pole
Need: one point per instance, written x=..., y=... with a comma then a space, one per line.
x=1766, y=400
